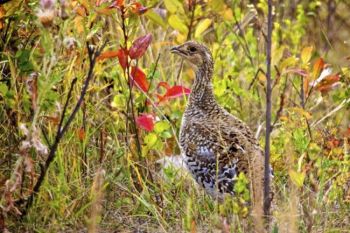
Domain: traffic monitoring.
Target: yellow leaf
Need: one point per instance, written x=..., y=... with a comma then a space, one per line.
x=306, y=54
x=181, y=38
x=153, y=16
x=302, y=112
x=217, y=5
x=176, y=23
x=173, y=6
x=288, y=62
x=201, y=27
x=297, y=178
x=283, y=118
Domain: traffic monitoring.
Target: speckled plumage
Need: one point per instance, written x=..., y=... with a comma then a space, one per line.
x=216, y=145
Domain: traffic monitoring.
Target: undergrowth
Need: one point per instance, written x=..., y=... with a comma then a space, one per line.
x=114, y=169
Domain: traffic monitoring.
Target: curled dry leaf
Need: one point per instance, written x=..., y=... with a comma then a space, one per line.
x=140, y=46
x=139, y=78
x=145, y=121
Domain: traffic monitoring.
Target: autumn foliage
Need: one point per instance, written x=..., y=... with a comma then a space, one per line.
x=118, y=167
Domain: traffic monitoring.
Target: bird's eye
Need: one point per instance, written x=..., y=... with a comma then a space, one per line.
x=192, y=49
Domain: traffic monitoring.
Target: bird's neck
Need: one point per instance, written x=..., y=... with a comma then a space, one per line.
x=202, y=89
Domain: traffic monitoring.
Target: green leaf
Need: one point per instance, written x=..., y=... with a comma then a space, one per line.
x=201, y=27
x=173, y=6
x=150, y=140
x=3, y=89
x=297, y=178
x=119, y=101
x=176, y=23
x=300, y=141
x=156, y=18
x=24, y=63
x=161, y=126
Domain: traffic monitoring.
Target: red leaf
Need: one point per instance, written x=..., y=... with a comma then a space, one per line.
x=139, y=78
x=177, y=91
x=138, y=9
x=140, y=46
x=145, y=121
x=122, y=55
x=174, y=92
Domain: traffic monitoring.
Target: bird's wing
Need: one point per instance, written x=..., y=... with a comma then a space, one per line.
x=217, y=143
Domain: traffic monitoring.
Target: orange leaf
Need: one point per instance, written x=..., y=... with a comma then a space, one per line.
x=328, y=83
x=108, y=54
x=318, y=67
x=140, y=46
x=80, y=10
x=139, y=78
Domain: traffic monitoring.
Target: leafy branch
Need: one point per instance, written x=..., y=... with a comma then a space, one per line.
x=62, y=128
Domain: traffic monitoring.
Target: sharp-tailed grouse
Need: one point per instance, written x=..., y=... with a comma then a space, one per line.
x=217, y=146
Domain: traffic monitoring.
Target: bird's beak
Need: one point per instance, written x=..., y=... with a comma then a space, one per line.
x=174, y=49
x=178, y=50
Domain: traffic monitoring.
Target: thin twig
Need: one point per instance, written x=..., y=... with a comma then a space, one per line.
x=267, y=201
x=255, y=77
x=340, y=106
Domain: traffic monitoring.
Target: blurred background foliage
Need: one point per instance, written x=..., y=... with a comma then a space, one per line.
x=116, y=168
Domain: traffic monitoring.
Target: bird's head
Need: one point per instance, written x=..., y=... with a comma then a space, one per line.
x=194, y=52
